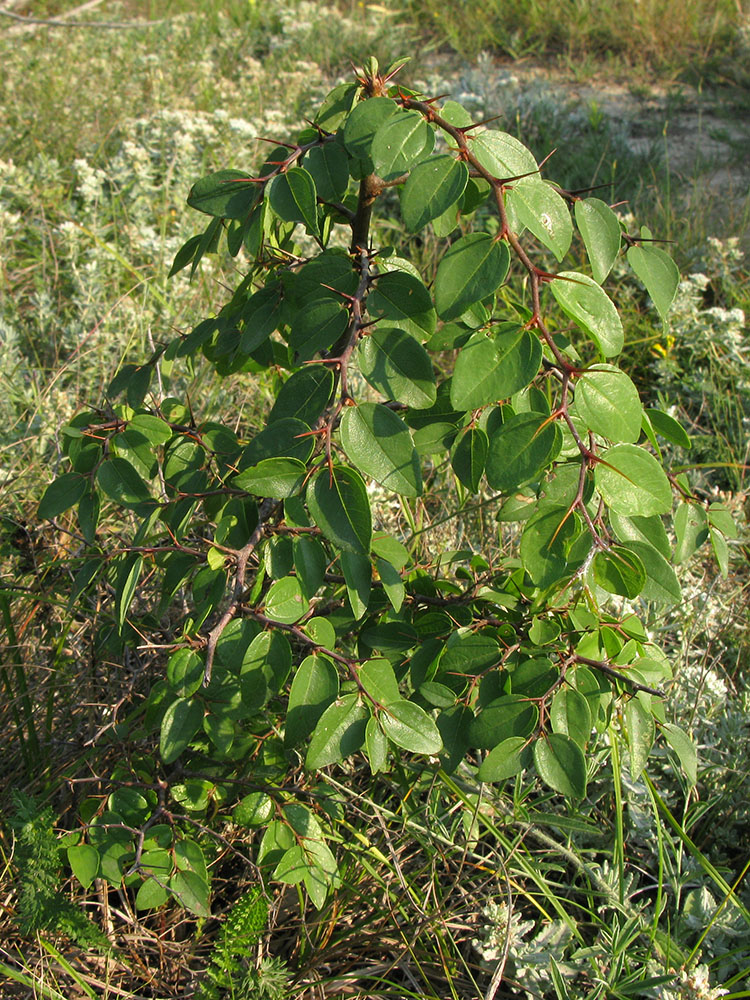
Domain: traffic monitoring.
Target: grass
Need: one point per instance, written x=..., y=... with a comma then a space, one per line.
x=449, y=887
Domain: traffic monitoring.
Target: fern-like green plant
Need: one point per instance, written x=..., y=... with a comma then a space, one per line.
x=231, y=973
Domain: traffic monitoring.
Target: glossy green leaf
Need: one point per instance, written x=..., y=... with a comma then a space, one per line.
x=278, y=478
x=667, y=427
x=62, y=494
x=402, y=141
x=337, y=106
x=254, y=810
x=181, y=722
x=119, y=481
x=662, y=585
x=503, y=761
x=400, y=299
x=619, y=571
x=591, y=309
x=570, y=715
x=378, y=442
x=684, y=747
x=285, y=601
x=544, y=213
x=395, y=364
x=600, y=229
x=432, y=188
x=304, y=395
x=376, y=746
x=315, y=686
x=392, y=583
x=641, y=529
x=191, y=891
x=339, y=733
x=493, y=366
x=228, y=194
x=561, y=765
x=151, y=895
x=473, y=268
x=317, y=328
x=358, y=576
x=266, y=664
x=501, y=154
x=519, y=450
x=504, y=717
x=310, y=563
x=641, y=731
x=632, y=482
x=659, y=274
x=84, y=862
x=284, y=438
x=126, y=586
x=691, y=530
x=470, y=653
x=328, y=165
x=379, y=681
x=608, y=403
x=339, y=505
x=411, y=728
x=293, y=198
x=185, y=672
x=545, y=544
x=469, y=457
x=364, y=121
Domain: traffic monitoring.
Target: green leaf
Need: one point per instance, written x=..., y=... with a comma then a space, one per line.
x=641, y=732
x=493, y=367
x=641, y=529
x=62, y=494
x=561, y=764
x=260, y=316
x=669, y=428
x=304, y=395
x=364, y=121
x=432, y=188
x=470, y=653
x=376, y=745
x=411, y=728
x=619, y=571
x=358, y=576
x=544, y=213
x=662, y=585
x=501, y=154
x=402, y=300
x=691, y=530
x=504, y=717
x=378, y=442
x=255, y=809
x=402, y=140
x=278, y=478
x=119, y=481
x=395, y=364
x=191, y=891
x=285, y=601
x=684, y=747
x=337, y=106
x=392, y=583
x=328, y=165
x=503, y=761
x=127, y=583
x=151, y=895
x=590, y=308
x=315, y=686
x=310, y=563
x=659, y=274
x=227, y=194
x=185, y=672
x=339, y=733
x=317, y=327
x=84, y=862
x=545, y=544
x=632, y=482
x=473, y=268
x=265, y=665
x=293, y=198
x=519, y=450
x=181, y=722
x=284, y=438
x=469, y=457
x=378, y=679
x=570, y=715
x=600, y=229
x=338, y=503
x=608, y=403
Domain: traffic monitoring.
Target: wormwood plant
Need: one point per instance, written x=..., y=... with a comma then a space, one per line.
x=297, y=578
